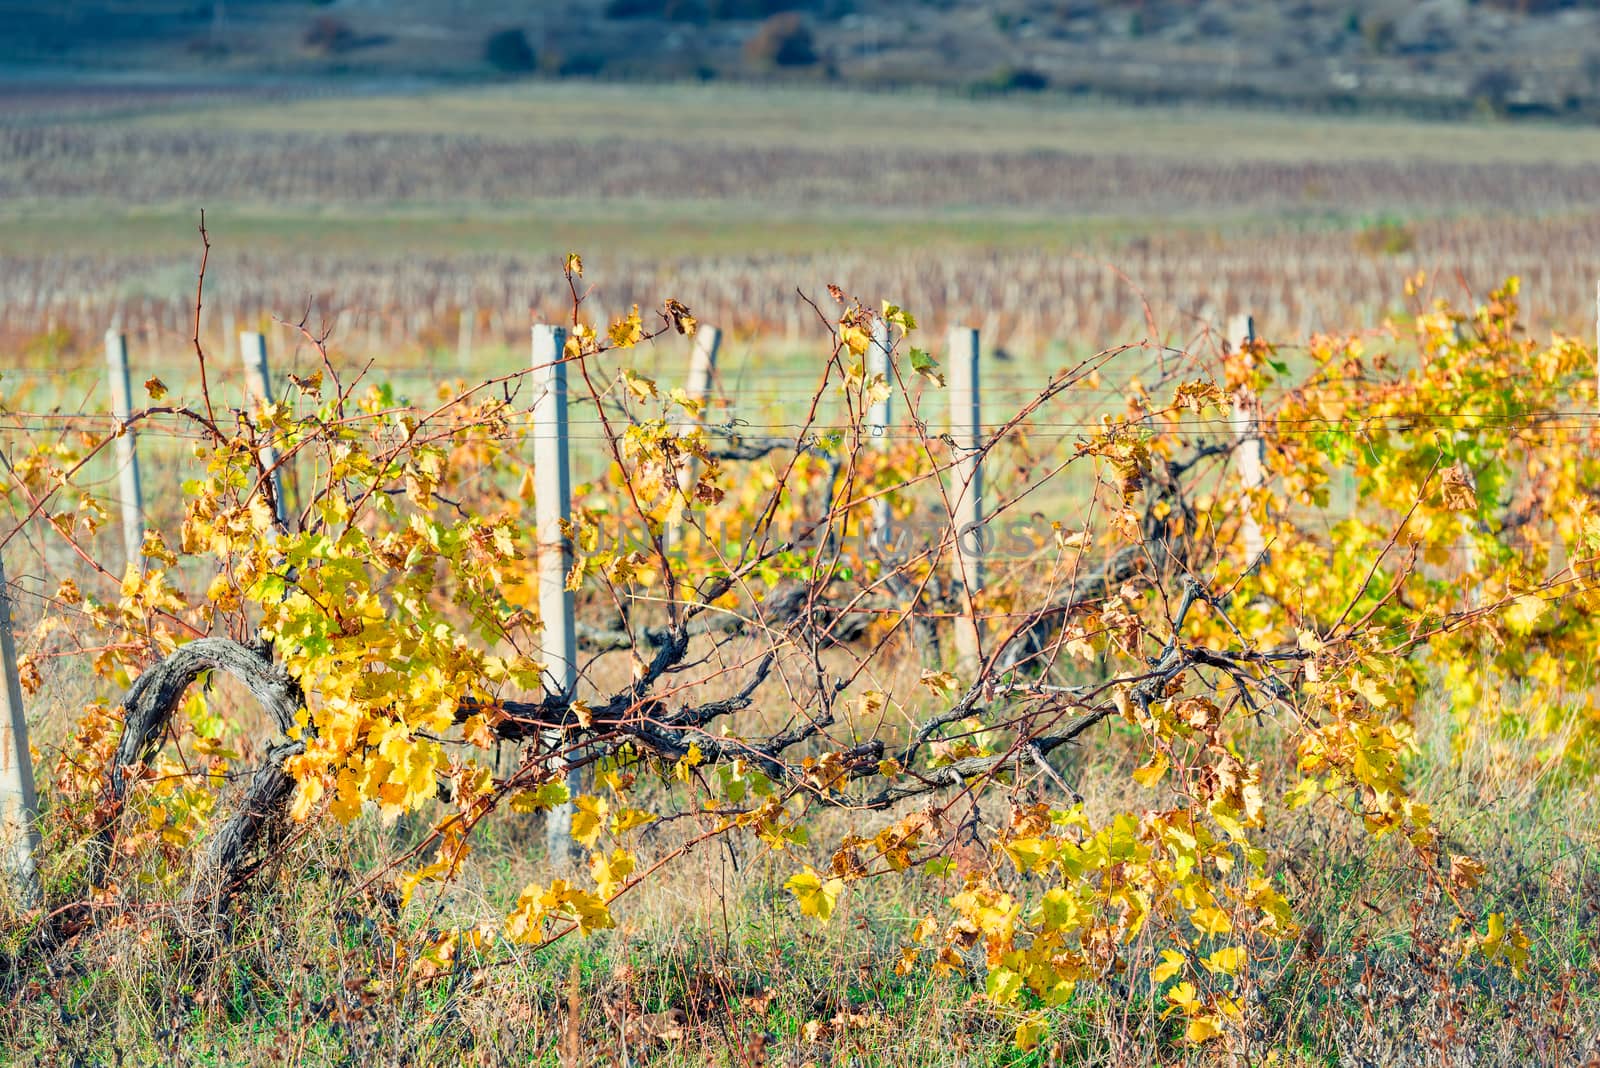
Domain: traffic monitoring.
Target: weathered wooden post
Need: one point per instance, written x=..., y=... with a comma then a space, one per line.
x=1249, y=450
x=127, y=449
x=966, y=435
x=19, y=806
x=552, y=507
x=258, y=382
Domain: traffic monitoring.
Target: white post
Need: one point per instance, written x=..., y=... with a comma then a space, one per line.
x=1249, y=451
x=258, y=382
x=552, y=506
x=878, y=364
x=1469, y=550
x=878, y=416
x=127, y=449
x=966, y=431
x=703, y=361
x=465, y=328
x=19, y=807
x=702, y=369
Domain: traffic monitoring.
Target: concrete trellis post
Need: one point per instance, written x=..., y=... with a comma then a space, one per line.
x=702, y=371
x=465, y=328
x=703, y=362
x=127, y=449
x=966, y=433
x=878, y=364
x=552, y=506
x=258, y=380
x=19, y=806
x=878, y=415
x=1468, y=549
x=1249, y=451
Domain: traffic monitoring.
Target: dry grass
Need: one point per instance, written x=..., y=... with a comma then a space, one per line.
x=714, y=966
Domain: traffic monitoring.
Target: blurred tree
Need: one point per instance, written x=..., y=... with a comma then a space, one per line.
x=508, y=50
x=783, y=40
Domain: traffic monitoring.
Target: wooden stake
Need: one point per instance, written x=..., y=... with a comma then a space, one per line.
x=19, y=806
x=127, y=449
x=1249, y=451
x=258, y=382
x=552, y=507
x=966, y=432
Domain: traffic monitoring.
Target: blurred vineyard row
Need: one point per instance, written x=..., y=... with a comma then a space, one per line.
x=154, y=165
x=415, y=226
x=57, y=306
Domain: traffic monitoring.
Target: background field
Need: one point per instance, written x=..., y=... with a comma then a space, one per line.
x=1048, y=224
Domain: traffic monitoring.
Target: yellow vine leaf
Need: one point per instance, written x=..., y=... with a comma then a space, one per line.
x=815, y=896
x=683, y=770
x=641, y=387
x=1151, y=773
x=1524, y=612
x=1226, y=961
x=1185, y=998
x=1030, y=1032
x=626, y=333
x=547, y=796
x=589, y=819
x=610, y=872
x=1172, y=963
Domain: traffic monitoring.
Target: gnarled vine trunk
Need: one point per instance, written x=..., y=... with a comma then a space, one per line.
x=148, y=708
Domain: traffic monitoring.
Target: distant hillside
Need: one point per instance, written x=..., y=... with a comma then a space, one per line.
x=1445, y=57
